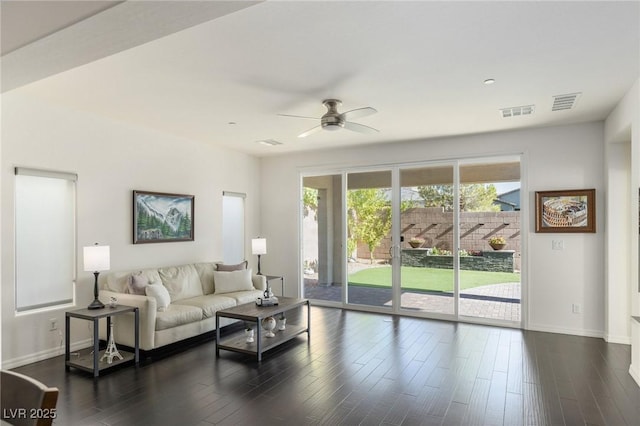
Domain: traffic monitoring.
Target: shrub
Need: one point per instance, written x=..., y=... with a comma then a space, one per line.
x=497, y=240
x=435, y=251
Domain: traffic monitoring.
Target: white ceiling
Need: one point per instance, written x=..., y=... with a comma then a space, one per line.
x=27, y=21
x=420, y=64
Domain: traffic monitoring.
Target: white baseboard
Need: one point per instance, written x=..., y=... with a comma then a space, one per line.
x=634, y=373
x=623, y=340
x=46, y=354
x=571, y=331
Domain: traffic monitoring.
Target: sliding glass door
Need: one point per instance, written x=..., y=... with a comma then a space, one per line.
x=369, y=217
x=416, y=239
x=322, y=212
x=490, y=212
x=427, y=226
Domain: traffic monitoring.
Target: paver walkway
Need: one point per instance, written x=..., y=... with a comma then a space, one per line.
x=496, y=301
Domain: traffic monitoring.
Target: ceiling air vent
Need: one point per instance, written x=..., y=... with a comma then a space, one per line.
x=562, y=102
x=517, y=111
x=269, y=142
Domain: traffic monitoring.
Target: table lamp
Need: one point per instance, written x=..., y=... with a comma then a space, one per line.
x=96, y=259
x=259, y=247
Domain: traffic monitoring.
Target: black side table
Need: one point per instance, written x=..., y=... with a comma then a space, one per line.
x=275, y=277
x=89, y=360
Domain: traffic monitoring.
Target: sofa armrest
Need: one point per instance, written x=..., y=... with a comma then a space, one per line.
x=147, y=307
x=259, y=282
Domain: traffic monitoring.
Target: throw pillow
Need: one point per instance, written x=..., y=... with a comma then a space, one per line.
x=182, y=282
x=136, y=284
x=228, y=268
x=160, y=293
x=229, y=282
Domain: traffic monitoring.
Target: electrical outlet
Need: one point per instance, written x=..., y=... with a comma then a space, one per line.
x=576, y=309
x=53, y=324
x=557, y=244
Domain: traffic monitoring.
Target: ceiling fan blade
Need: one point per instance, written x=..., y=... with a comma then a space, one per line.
x=359, y=127
x=359, y=112
x=310, y=131
x=298, y=116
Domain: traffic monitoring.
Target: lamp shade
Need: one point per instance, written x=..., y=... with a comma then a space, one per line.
x=259, y=246
x=96, y=258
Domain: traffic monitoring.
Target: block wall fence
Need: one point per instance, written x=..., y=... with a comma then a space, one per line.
x=435, y=226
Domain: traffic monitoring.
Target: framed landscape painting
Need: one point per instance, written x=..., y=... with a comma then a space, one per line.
x=566, y=211
x=159, y=217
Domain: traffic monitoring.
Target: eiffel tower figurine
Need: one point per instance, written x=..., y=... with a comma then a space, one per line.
x=111, y=350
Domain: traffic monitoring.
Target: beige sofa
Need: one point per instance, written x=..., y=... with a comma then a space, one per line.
x=189, y=293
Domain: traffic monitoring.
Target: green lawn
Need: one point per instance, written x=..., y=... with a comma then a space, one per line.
x=430, y=278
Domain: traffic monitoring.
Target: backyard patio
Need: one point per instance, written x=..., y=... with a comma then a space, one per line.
x=499, y=301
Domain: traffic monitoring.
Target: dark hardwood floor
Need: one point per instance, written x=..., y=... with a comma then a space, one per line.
x=369, y=369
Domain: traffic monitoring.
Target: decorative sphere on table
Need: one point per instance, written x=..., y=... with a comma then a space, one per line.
x=269, y=323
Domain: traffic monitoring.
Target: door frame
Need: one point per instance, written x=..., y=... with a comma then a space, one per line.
x=395, y=169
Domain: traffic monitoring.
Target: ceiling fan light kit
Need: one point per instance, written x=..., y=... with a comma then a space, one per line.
x=334, y=120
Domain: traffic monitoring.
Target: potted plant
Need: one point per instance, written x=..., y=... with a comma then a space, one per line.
x=416, y=242
x=497, y=243
x=281, y=321
x=248, y=333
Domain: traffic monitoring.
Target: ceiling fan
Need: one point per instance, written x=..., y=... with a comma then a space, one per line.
x=334, y=120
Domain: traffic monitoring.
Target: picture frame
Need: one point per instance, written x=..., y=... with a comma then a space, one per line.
x=566, y=211
x=160, y=217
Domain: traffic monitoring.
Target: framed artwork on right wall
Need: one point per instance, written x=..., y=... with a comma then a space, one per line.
x=566, y=211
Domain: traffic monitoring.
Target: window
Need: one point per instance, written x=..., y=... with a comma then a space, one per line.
x=233, y=227
x=45, y=238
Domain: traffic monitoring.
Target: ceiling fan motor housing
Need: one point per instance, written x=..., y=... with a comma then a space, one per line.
x=332, y=120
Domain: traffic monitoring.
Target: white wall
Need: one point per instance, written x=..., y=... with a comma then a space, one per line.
x=618, y=240
x=111, y=159
x=563, y=157
x=622, y=136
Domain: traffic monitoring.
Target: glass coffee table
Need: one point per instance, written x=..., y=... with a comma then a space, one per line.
x=250, y=312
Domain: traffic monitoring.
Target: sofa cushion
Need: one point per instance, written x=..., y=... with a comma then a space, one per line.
x=182, y=282
x=229, y=282
x=205, y=272
x=209, y=304
x=176, y=315
x=160, y=293
x=243, y=297
x=229, y=268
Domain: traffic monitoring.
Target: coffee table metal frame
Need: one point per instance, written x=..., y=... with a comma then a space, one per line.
x=250, y=312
